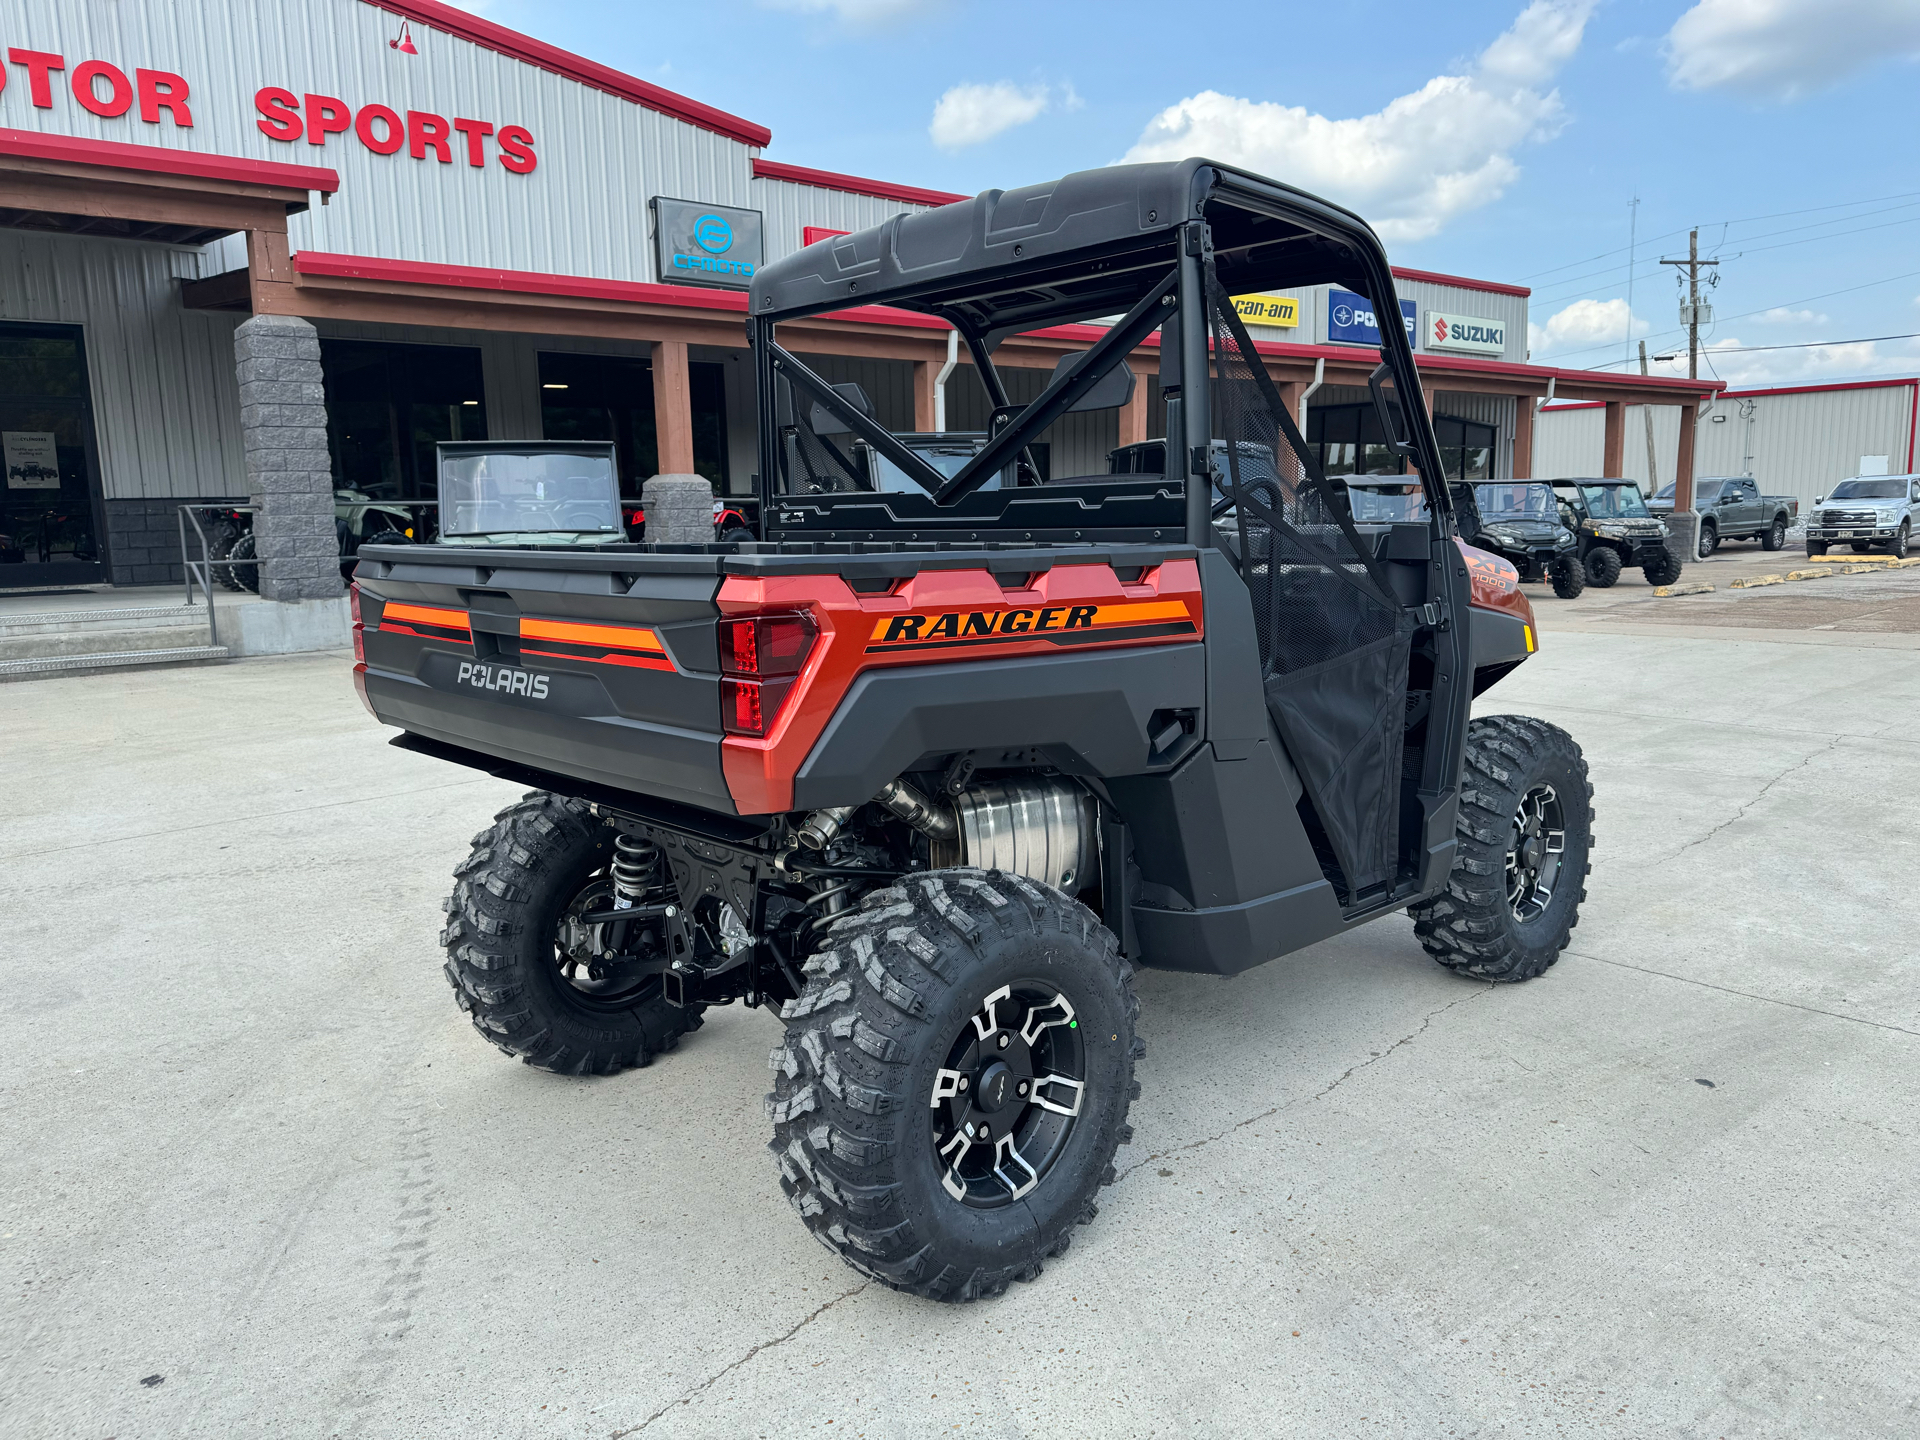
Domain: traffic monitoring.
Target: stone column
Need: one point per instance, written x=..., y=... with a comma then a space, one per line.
x=283, y=426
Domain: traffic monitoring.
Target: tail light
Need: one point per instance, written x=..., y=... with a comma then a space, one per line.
x=360, y=645
x=760, y=658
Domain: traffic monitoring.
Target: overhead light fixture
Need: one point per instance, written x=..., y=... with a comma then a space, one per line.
x=470, y=402
x=552, y=385
x=404, y=42
x=1664, y=357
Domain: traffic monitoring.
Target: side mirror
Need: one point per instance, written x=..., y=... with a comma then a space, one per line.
x=1819, y=498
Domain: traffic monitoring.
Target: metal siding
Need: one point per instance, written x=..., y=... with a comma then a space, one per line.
x=788, y=209
x=583, y=210
x=1567, y=442
x=166, y=406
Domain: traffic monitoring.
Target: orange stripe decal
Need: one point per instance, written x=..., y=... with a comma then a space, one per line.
x=639, y=662
x=425, y=614
x=576, y=633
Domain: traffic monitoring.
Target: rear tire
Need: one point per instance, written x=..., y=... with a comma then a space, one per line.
x=219, y=547
x=1603, y=566
x=1568, y=577
x=1899, y=550
x=1775, y=536
x=1512, y=897
x=903, y=1020
x=247, y=576
x=503, y=938
x=1710, y=541
x=1664, y=571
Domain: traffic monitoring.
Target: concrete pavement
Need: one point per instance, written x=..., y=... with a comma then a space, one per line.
x=257, y=1176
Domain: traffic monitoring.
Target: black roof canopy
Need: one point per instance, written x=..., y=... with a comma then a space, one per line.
x=1084, y=246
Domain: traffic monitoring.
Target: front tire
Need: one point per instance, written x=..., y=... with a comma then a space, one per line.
x=950, y=1000
x=1776, y=536
x=1664, y=571
x=1522, y=841
x=1568, y=577
x=1710, y=541
x=524, y=973
x=1603, y=566
x=1899, y=550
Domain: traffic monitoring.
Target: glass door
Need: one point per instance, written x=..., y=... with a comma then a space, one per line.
x=50, y=506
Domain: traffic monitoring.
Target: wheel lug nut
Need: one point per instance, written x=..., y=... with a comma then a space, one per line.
x=1021, y=1089
x=963, y=1083
x=1003, y=1042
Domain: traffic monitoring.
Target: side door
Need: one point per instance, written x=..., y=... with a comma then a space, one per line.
x=1740, y=508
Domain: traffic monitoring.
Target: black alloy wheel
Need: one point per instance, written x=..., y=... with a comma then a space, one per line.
x=1003, y=1107
x=1535, y=852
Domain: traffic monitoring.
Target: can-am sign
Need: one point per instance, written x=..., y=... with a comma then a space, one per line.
x=1474, y=334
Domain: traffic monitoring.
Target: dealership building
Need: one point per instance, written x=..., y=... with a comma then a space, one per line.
x=258, y=254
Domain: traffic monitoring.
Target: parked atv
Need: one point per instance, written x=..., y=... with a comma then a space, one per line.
x=931, y=772
x=1519, y=521
x=1613, y=529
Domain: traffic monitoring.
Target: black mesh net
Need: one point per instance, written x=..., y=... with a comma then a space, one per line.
x=818, y=451
x=1333, y=637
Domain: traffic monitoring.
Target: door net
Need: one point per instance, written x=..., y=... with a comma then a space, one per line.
x=1333, y=636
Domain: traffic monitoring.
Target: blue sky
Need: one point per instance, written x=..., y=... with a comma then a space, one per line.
x=1500, y=140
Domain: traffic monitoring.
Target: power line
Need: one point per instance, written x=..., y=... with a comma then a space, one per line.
x=1805, y=345
x=1810, y=239
x=1817, y=224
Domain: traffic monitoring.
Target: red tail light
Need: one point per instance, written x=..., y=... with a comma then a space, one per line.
x=360, y=628
x=760, y=658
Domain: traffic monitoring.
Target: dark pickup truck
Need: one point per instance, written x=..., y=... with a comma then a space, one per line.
x=1733, y=508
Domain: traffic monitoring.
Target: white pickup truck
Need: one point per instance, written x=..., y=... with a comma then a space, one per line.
x=1865, y=512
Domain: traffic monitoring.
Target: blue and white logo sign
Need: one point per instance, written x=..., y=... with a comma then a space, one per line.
x=706, y=244
x=1350, y=318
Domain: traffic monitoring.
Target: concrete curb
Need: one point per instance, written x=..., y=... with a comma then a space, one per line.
x=1749, y=582
x=1695, y=588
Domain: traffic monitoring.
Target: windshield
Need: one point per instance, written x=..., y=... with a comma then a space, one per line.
x=1614, y=502
x=1530, y=502
x=1383, y=505
x=499, y=494
x=1704, y=490
x=1895, y=489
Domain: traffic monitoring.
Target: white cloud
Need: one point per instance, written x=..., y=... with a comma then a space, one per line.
x=968, y=114
x=1781, y=316
x=1726, y=358
x=1418, y=162
x=1784, y=49
x=1582, y=326
x=859, y=14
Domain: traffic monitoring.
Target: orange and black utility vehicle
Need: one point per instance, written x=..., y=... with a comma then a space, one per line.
x=956, y=742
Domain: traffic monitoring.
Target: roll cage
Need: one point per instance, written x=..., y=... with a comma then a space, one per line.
x=1139, y=242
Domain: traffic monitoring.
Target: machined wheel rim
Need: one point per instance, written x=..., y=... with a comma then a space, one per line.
x=595, y=961
x=1014, y=1085
x=1535, y=852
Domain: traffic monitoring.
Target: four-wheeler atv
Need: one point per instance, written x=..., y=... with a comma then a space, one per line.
x=1519, y=521
x=1612, y=526
x=929, y=773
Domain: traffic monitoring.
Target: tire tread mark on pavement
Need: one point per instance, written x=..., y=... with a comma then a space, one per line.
x=1275, y=1110
x=1747, y=806
x=736, y=1364
x=1745, y=995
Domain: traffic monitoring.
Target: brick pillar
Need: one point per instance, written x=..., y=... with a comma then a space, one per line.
x=1613, y=439
x=673, y=409
x=924, y=373
x=283, y=427
x=1134, y=413
x=1523, y=465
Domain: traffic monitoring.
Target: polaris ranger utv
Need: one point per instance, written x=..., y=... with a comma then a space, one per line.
x=930, y=772
x=1519, y=521
x=1614, y=529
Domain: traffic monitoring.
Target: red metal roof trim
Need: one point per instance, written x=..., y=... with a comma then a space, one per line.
x=162, y=160
x=852, y=184
x=1813, y=389
x=1492, y=287
x=541, y=55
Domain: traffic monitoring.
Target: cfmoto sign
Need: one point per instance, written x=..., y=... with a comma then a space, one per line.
x=697, y=244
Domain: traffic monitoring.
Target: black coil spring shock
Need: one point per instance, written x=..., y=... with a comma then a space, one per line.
x=636, y=867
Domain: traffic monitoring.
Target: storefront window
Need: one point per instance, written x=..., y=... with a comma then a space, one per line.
x=1467, y=447
x=388, y=405
x=1348, y=440
x=611, y=397
x=49, y=528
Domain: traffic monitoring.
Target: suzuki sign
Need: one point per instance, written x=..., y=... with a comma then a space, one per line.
x=1474, y=334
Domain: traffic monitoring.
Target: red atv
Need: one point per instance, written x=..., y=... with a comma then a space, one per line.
x=929, y=772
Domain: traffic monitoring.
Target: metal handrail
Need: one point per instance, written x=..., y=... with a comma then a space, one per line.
x=202, y=570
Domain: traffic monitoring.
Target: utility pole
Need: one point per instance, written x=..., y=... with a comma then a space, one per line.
x=1691, y=312
x=1647, y=420
x=1634, y=215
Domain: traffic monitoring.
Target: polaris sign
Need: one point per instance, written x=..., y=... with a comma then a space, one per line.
x=1475, y=334
x=1350, y=319
x=706, y=244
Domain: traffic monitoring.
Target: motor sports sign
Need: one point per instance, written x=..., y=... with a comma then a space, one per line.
x=1472, y=334
x=706, y=244
x=1350, y=319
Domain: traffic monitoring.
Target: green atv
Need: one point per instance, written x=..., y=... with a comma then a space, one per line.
x=1613, y=529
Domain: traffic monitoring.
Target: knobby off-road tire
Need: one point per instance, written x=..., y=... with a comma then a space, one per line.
x=1516, y=769
x=1603, y=566
x=247, y=576
x=1664, y=571
x=1568, y=576
x=219, y=547
x=891, y=1022
x=508, y=900
x=1775, y=536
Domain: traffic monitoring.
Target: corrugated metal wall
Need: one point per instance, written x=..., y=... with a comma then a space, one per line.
x=788, y=209
x=1795, y=444
x=582, y=211
x=166, y=405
